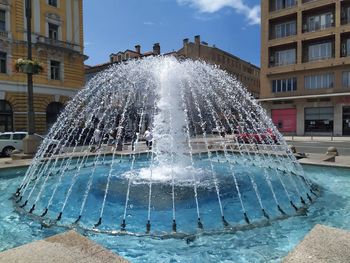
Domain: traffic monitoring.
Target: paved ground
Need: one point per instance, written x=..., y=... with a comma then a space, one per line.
x=321, y=146
x=68, y=247
x=322, y=244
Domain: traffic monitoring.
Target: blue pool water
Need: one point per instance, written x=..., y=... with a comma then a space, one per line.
x=270, y=243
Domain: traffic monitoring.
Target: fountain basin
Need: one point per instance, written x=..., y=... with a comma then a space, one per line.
x=270, y=243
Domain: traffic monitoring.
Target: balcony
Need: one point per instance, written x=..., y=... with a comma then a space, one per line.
x=308, y=1
x=345, y=45
x=345, y=15
x=318, y=51
x=283, y=27
x=321, y=21
x=283, y=56
x=316, y=27
x=276, y=5
x=54, y=43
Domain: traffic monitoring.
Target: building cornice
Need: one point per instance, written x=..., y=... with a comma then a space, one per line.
x=306, y=97
x=8, y=86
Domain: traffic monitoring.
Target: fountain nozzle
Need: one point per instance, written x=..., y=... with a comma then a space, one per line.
x=296, y=208
x=44, y=213
x=280, y=209
x=174, y=226
x=246, y=218
x=265, y=214
x=25, y=203
x=148, y=227
x=199, y=224
x=99, y=222
x=19, y=200
x=78, y=219
x=309, y=197
x=59, y=216
x=123, y=225
x=226, y=224
x=32, y=209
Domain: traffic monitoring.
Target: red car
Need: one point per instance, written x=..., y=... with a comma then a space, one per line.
x=261, y=136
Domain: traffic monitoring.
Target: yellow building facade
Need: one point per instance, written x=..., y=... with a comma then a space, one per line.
x=57, y=36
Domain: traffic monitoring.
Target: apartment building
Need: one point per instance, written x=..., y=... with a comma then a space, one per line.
x=244, y=71
x=305, y=65
x=57, y=36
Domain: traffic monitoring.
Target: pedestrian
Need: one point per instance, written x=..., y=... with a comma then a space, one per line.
x=112, y=137
x=223, y=132
x=97, y=137
x=148, y=137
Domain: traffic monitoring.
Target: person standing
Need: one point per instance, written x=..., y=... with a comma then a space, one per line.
x=148, y=137
x=97, y=136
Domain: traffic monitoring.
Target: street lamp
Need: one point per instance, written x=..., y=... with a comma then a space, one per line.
x=30, y=142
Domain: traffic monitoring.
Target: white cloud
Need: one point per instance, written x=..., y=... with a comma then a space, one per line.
x=210, y=6
x=149, y=23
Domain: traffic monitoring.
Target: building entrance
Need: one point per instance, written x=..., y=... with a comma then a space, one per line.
x=285, y=119
x=346, y=120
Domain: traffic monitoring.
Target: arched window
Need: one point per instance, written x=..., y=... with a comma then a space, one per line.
x=52, y=112
x=6, y=116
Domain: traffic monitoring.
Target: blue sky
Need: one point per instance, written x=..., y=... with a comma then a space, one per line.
x=116, y=25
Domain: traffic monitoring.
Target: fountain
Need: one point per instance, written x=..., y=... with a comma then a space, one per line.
x=217, y=162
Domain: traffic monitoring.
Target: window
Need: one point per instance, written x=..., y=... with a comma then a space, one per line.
x=53, y=31
x=324, y=81
x=319, y=119
x=284, y=85
x=345, y=48
x=55, y=70
x=119, y=57
x=53, y=3
x=281, y=4
x=2, y=20
x=5, y=137
x=52, y=112
x=319, y=22
x=3, y=63
x=18, y=136
x=284, y=57
x=285, y=29
x=346, y=79
x=345, y=15
x=320, y=51
x=127, y=56
x=6, y=116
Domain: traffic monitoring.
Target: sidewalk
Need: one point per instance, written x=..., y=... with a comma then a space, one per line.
x=311, y=158
x=318, y=138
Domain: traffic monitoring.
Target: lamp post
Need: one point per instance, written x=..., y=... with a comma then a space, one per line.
x=30, y=142
x=30, y=121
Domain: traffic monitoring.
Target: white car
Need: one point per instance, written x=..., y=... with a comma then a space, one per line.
x=10, y=141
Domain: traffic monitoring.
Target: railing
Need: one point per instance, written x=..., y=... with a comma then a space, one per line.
x=277, y=5
x=345, y=20
x=316, y=27
x=308, y=1
x=56, y=43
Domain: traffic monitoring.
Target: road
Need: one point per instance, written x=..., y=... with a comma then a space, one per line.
x=321, y=147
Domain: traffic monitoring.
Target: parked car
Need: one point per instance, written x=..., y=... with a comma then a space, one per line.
x=10, y=141
x=261, y=136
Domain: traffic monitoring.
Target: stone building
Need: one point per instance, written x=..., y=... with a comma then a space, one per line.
x=305, y=65
x=120, y=57
x=247, y=73
x=244, y=71
x=57, y=36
